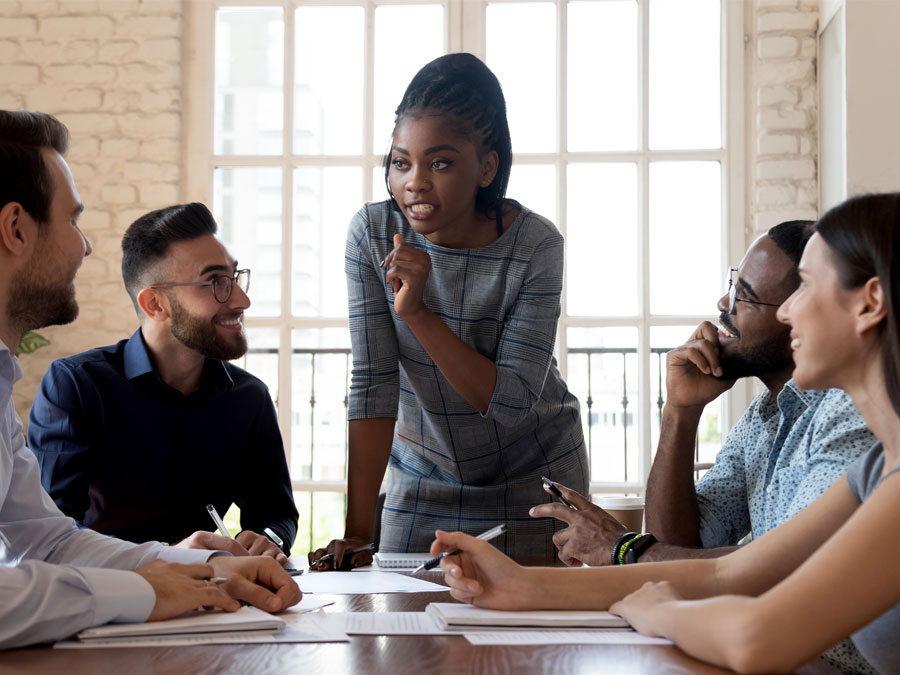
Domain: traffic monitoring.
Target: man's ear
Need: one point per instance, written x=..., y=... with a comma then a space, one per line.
x=18, y=231
x=871, y=307
x=154, y=304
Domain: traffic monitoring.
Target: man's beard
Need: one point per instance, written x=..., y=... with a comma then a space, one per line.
x=201, y=335
x=770, y=356
x=35, y=303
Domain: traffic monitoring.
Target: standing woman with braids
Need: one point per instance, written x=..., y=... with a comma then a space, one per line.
x=454, y=296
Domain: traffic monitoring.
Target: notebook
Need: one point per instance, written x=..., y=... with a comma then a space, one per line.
x=245, y=619
x=456, y=616
x=401, y=560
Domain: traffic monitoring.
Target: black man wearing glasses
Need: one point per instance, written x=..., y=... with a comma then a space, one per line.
x=136, y=438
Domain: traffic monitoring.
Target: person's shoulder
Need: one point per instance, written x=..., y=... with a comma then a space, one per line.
x=109, y=355
x=375, y=216
x=244, y=381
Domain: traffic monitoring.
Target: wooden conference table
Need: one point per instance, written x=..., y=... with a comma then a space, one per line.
x=393, y=655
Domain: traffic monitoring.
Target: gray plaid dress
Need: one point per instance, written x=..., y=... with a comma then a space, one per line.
x=451, y=467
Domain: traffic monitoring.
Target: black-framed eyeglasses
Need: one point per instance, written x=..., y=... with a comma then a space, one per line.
x=733, y=299
x=222, y=285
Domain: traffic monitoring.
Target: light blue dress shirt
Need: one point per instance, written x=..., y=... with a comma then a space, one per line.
x=777, y=460
x=54, y=578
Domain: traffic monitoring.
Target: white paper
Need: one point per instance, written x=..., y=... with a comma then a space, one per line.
x=563, y=637
x=299, y=627
x=246, y=619
x=385, y=623
x=462, y=617
x=342, y=583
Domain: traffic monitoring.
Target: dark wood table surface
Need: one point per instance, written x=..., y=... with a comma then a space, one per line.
x=392, y=655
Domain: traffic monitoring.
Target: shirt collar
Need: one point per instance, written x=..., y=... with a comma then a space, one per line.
x=10, y=371
x=138, y=363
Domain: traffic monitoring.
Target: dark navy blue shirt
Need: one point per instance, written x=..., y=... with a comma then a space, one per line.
x=125, y=454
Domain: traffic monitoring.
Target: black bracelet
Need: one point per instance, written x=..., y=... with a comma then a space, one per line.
x=621, y=540
x=639, y=547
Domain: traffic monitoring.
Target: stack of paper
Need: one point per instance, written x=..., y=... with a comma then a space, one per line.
x=458, y=617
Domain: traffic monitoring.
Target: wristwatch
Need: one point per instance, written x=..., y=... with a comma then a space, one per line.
x=638, y=547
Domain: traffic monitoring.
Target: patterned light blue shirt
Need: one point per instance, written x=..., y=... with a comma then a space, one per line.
x=451, y=466
x=777, y=460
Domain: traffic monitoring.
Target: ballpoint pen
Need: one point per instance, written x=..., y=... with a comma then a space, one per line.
x=552, y=489
x=218, y=521
x=430, y=564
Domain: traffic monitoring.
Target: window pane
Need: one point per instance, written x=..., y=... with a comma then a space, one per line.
x=603, y=374
x=248, y=210
x=685, y=70
x=534, y=186
x=416, y=32
x=521, y=50
x=321, y=519
x=685, y=237
x=249, y=77
x=324, y=201
x=261, y=358
x=320, y=368
x=602, y=68
x=602, y=240
x=328, y=101
x=709, y=431
x=379, y=189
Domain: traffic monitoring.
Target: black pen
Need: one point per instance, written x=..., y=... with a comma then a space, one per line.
x=548, y=485
x=430, y=564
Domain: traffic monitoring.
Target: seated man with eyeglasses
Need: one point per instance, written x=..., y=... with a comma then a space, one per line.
x=135, y=439
x=784, y=452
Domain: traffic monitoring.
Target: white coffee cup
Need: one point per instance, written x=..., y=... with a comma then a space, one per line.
x=627, y=510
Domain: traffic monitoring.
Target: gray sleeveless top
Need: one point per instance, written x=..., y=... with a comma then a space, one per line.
x=878, y=640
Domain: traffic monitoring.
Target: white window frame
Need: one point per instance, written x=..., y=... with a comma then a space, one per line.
x=465, y=31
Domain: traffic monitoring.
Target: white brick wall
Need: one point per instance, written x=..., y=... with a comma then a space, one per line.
x=111, y=71
x=783, y=113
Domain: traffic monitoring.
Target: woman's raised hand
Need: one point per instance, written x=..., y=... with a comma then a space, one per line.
x=407, y=271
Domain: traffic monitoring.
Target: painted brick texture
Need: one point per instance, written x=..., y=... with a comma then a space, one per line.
x=783, y=113
x=111, y=71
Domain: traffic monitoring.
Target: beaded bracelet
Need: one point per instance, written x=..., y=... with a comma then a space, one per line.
x=623, y=550
x=615, y=549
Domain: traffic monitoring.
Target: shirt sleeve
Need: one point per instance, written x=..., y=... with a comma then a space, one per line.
x=58, y=436
x=525, y=349
x=722, y=492
x=375, y=378
x=267, y=499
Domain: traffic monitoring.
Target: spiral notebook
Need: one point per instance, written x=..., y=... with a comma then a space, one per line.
x=401, y=560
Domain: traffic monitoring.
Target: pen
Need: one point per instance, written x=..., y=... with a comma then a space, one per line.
x=218, y=521
x=548, y=485
x=358, y=549
x=218, y=581
x=493, y=533
x=274, y=537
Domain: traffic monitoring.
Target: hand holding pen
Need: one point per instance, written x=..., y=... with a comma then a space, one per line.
x=344, y=554
x=430, y=564
x=247, y=542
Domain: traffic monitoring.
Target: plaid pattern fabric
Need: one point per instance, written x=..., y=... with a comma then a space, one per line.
x=452, y=467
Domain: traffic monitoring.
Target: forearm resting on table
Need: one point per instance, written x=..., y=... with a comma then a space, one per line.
x=600, y=587
x=671, y=506
x=472, y=375
x=369, y=450
x=661, y=551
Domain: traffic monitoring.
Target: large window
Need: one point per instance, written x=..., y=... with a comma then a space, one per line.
x=626, y=132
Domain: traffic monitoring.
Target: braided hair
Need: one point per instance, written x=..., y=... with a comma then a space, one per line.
x=467, y=96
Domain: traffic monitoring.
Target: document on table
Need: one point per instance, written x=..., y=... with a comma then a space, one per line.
x=342, y=583
x=461, y=617
x=297, y=624
x=563, y=637
x=385, y=623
